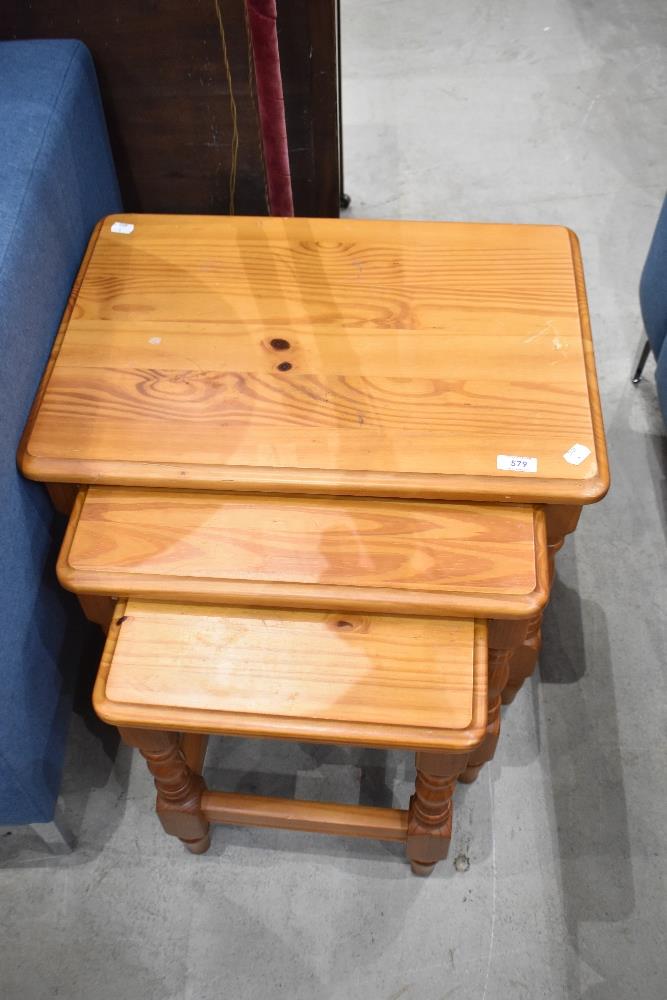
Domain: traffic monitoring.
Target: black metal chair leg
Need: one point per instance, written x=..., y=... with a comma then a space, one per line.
x=644, y=352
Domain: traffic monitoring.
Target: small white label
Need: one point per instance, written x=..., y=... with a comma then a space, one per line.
x=122, y=227
x=155, y=340
x=516, y=463
x=576, y=454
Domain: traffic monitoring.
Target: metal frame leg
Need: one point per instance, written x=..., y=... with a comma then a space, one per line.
x=642, y=355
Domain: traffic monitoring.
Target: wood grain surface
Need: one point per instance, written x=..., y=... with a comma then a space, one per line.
x=348, y=356
x=373, y=680
x=419, y=557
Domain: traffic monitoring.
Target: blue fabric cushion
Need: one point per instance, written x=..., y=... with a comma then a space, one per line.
x=56, y=180
x=653, y=285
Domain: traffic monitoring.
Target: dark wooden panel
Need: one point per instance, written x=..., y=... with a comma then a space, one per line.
x=166, y=98
x=308, y=53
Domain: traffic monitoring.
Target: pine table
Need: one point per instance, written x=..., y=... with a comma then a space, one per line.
x=397, y=421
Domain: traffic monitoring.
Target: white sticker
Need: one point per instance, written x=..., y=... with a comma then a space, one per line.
x=516, y=463
x=155, y=340
x=122, y=227
x=576, y=454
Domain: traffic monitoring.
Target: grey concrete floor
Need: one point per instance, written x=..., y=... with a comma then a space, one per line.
x=520, y=111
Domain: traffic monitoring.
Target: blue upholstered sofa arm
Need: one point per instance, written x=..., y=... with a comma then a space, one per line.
x=56, y=180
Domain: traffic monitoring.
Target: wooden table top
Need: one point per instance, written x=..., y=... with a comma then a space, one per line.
x=334, y=553
x=407, y=359
x=416, y=683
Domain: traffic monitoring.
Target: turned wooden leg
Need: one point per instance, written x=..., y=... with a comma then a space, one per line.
x=194, y=747
x=430, y=813
x=179, y=789
x=523, y=659
x=499, y=660
x=561, y=521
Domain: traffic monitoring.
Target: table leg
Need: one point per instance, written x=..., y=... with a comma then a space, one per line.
x=62, y=496
x=179, y=789
x=499, y=668
x=430, y=813
x=523, y=659
x=561, y=521
x=194, y=747
x=98, y=609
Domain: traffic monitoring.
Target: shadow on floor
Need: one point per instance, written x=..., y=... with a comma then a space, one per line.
x=657, y=461
x=96, y=767
x=319, y=772
x=580, y=735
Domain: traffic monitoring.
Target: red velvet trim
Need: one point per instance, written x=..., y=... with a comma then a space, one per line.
x=262, y=17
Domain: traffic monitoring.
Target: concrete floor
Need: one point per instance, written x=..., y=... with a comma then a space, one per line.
x=520, y=111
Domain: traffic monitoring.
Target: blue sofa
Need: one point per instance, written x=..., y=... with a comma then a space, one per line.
x=56, y=180
x=653, y=302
